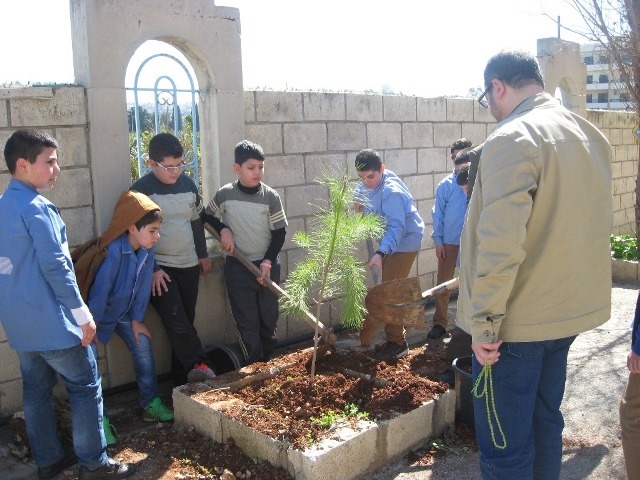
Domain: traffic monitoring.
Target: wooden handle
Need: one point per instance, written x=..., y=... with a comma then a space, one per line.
x=327, y=334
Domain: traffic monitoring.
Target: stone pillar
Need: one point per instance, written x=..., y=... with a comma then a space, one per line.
x=562, y=67
x=106, y=33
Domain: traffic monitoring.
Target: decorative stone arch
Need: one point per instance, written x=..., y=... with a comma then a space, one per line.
x=106, y=34
x=562, y=68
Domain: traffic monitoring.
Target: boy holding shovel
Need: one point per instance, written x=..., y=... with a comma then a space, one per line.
x=383, y=193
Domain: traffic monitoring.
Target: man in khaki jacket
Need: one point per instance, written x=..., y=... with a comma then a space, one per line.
x=535, y=264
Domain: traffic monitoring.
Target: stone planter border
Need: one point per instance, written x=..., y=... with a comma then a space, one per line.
x=625, y=271
x=349, y=453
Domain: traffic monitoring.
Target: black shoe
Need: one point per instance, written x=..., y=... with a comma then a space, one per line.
x=438, y=331
x=51, y=471
x=392, y=351
x=112, y=469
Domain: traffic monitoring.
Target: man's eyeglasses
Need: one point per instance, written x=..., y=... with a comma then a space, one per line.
x=176, y=169
x=482, y=100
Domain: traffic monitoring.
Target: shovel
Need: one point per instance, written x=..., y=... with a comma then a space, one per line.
x=326, y=333
x=401, y=302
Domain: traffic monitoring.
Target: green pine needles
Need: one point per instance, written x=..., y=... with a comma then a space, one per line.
x=332, y=268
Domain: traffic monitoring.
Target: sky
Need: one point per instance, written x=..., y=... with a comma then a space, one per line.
x=413, y=47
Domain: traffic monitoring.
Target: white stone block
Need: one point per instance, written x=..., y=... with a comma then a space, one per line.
x=268, y=136
x=398, y=108
x=318, y=166
x=284, y=170
x=401, y=162
x=417, y=135
x=346, y=136
x=405, y=432
x=381, y=136
x=323, y=106
x=66, y=107
x=305, y=137
x=346, y=455
x=444, y=134
x=364, y=108
x=431, y=109
x=278, y=106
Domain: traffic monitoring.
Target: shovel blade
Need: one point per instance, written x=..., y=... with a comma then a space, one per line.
x=382, y=303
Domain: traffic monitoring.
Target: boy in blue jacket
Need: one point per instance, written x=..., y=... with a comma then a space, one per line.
x=448, y=218
x=383, y=193
x=120, y=293
x=44, y=317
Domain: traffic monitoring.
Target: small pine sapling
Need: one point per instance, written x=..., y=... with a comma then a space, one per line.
x=332, y=268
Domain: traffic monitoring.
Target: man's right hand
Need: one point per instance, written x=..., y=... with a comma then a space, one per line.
x=88, y=332
x=440, y=253
x=486, y=353
x=159, y=282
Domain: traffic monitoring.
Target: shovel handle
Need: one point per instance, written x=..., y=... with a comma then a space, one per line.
x=375, y=273
x=273, y=286
x=445, y=287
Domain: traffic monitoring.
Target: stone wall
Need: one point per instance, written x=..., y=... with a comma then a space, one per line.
x=303, y=135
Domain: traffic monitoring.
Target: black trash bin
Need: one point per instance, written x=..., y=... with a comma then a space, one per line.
x=464, y=397
x=224, y=358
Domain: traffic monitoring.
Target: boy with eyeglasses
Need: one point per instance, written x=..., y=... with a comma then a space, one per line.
x=180, y=255
x=383, y=193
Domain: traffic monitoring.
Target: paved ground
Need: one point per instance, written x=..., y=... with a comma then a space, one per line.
x=596, y=377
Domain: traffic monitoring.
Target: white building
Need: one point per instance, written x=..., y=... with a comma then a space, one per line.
x=606, y=88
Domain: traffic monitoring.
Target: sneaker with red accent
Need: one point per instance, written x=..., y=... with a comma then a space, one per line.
x=199, y=373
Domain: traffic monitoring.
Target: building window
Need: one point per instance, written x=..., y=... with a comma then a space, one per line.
x=603, y=59
x=589, y=79
x=588, y=60
x=603, y=97
x=589, y=98
x=604, y=78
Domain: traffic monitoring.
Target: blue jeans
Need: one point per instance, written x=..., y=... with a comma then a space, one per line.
x=528, y=386
x=79, y=372
x=143, y=363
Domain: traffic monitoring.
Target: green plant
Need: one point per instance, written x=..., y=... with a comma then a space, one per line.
x=327, y=419
x=310, y=438
x=625, y=246
x=447, y=445
x=352, y=410
x=332, y=265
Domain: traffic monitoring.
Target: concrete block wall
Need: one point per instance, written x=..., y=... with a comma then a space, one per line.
x=619, y=128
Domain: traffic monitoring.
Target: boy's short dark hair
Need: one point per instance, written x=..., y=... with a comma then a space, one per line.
x=515, y=68
x=246, y=150
x=463, y=175
x=150, y=217
x=462, y=157
x=28, y=144
x=164, y=145
x=368, y=159
x=460, y=144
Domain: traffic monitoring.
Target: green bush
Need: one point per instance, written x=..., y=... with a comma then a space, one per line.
x=624, y=246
